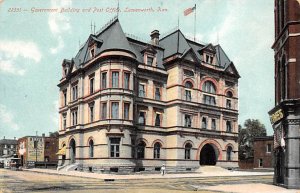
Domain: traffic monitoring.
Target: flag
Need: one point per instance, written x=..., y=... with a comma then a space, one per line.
x=189, y=10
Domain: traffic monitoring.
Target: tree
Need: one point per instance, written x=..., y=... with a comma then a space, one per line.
x=252, y=128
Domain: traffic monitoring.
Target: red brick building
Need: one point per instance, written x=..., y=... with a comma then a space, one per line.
x=263, y=152
x=285, y=116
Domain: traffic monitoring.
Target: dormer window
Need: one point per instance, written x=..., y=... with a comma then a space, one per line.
x=209, y=59
x=92, y=52
x=150, y=60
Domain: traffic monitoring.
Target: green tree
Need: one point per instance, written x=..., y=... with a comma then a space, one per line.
x=252, y=128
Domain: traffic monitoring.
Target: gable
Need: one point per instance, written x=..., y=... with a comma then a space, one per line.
x=232, y=70
x=190, y=55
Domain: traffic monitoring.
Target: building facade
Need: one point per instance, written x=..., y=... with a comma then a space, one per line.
x=263, y=152
x=285, y=116
x=37, y=151
x=127, y=105
x=8, y=147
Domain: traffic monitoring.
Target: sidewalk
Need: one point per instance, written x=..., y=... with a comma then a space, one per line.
x=147, y=176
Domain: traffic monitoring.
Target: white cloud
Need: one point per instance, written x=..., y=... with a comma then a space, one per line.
x=12, y=51
x=59, y=23
x=7, y=118
x=7, y=66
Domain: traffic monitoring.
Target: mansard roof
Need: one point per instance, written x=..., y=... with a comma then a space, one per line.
x=112, y=37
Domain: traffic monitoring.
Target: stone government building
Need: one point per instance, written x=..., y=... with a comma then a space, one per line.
x=127, y=105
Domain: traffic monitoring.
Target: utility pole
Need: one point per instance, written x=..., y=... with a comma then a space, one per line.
x=36, y=143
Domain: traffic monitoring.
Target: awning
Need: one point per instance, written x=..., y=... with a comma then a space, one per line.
x=62, y=151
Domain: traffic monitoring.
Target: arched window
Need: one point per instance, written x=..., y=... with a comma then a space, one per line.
x=188, y=95
x=209, y=87
x=188, y=84
x=228, y=153
x=228, y=101
x=156, y=153
x=91, y=148
x=187, y=151
x=141, y=150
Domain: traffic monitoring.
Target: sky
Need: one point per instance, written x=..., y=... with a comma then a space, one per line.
x=34, y=43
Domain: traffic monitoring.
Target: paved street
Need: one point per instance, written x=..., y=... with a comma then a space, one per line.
x=26, y=181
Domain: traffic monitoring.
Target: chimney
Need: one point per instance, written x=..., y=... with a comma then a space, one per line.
x=155, y=37
x=14, y=138
x=3, y=137
x=43, y=135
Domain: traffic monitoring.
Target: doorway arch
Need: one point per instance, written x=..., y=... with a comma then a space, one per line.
x=72, y=150
x=208, y=155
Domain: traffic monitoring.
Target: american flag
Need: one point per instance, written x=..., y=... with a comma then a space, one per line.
x=189, y=10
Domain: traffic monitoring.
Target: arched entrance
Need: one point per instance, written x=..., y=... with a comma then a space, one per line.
x=208, y=155
x=72, y=150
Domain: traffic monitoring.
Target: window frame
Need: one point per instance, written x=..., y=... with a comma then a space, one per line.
x=229, y=152
x=64, y=121
x=74, y=92
x=143, y=90
x=156, y=150
x=269, y=150
x=157, y=95
x=91, y=112
x=104, y=80
x=213, y=126
x=118, y=109
x=115, y=83
x=126, y=115
x=91, y=84
x=114, y=147
x=141, y=150
x=103, y=115
x=74, y=117
x=91, y=148
x=144, y=118
x=126, y=82
x=65, y=97
x=204, y=123
x=152, y=60
x=186, y=122
x=229, y=127
x=209, y=87
x=160, y=119
x=187, y=151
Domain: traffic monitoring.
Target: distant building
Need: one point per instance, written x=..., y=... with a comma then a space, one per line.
x=285, y=116
x=8, y=147
x=37, y=150
x=263, y=152
x=128, y=105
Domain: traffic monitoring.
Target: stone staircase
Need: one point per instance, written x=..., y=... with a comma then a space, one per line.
x=70, y=167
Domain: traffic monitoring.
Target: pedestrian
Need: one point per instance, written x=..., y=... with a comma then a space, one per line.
x=163, y=170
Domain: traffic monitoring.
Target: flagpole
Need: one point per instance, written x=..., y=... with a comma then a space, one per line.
x=195, y=24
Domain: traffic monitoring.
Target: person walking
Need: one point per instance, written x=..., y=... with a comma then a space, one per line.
x=163, y=170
